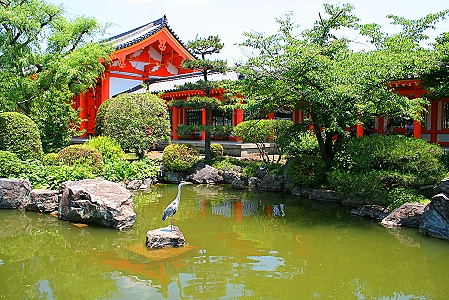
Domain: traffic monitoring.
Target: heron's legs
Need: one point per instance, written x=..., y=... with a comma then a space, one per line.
x=171, y=223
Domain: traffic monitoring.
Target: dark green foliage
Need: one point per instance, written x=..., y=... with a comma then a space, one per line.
x=10, y=164
x=373, y=168
x=118, y=170
x=216, y=150
x=108, y=147
x=179, y=157
x=307, y=171
x=20, y=135
x=82, y=155
x=298, y=140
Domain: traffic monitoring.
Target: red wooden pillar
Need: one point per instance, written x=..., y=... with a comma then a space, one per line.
x=83, y=114
x=203, y=122
x=238, y=116
x=416, y=129
x=271, y=116
x=175, y=117
x=380, y=122
x=433, y=121
x=359, y=130
x=105, y=87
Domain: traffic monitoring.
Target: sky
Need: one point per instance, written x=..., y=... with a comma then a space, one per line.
x=230, y=18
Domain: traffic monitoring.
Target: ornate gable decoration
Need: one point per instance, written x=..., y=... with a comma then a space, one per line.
x=151, y=50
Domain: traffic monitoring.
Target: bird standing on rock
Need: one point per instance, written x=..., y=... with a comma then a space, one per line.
x=172, y=208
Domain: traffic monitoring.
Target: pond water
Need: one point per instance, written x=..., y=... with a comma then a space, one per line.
x=241, y=244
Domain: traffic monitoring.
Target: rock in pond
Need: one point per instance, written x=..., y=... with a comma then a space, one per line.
x=14, y=193
x=165, y=237
x=98, y=202
x=408, y=214
x=435, y=220
x=43, y=201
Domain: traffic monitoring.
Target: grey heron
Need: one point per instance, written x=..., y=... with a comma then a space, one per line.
x=172, y=208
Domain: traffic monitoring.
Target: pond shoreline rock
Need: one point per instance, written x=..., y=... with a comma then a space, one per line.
x=97, y=201
x=14, y=193
x=165, y=237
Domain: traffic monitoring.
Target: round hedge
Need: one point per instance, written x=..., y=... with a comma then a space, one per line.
x=179, y=157
x=83, y=155
x=20, y=135
x=216, y=150
x=10, y=164
x=99, y=119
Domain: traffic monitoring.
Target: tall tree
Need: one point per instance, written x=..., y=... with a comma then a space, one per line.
x=316, y=71
x=436, y=78
x=204, y=48
x=46, y=59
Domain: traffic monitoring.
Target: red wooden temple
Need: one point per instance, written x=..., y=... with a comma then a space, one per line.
x=152, y=54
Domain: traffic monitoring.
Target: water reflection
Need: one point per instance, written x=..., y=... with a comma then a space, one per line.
x=240, y=244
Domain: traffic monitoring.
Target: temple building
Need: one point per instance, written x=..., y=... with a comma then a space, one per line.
x=148, y=58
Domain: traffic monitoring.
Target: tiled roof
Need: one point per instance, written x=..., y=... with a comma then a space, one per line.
x=139, y=34
x=169, y=84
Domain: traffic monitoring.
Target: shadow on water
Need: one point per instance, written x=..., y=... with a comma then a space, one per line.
x=239, y=244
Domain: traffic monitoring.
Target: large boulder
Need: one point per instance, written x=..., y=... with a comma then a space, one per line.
x=408, y=214
x=14, y=193
x=165, y=237
x=435, y=220
x=97, y=201
x=272, y=183
x=43, y=201
x=203, y=173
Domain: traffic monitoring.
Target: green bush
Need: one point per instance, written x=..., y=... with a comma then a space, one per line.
x=118, y=170
x=100, y=117
x=136, y=121
x=20, y=135
x=108, y=147
x=52, y=176
x=216, y=150
x=381, y=168
x=11, y=165
x=307, y=171
x=50, y=159
x=82, y=155
x=223, y=163
x=179, y=157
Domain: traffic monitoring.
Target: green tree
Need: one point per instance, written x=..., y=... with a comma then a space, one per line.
x=205, y=47
x=316, y=71
x=136, y=121
x=436, y=78
x=46, y=59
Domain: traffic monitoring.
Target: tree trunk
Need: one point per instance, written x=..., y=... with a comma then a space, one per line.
x=207, y=155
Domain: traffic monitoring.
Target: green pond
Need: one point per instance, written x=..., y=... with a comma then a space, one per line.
x=240, y=244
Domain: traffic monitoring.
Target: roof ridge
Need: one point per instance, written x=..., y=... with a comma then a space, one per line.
x=159, y=21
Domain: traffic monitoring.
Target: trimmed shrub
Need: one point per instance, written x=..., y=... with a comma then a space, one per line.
x=100, y=118
x=179, y=157
x=81, y=155
x=20, y=135
x=216, y=150
x=50, y=159
x=136, y=121
x=307, y=171
x=11, y=165
x=385, y=169
x=108, y=147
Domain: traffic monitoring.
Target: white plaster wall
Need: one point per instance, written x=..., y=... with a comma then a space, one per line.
x=119, y=85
